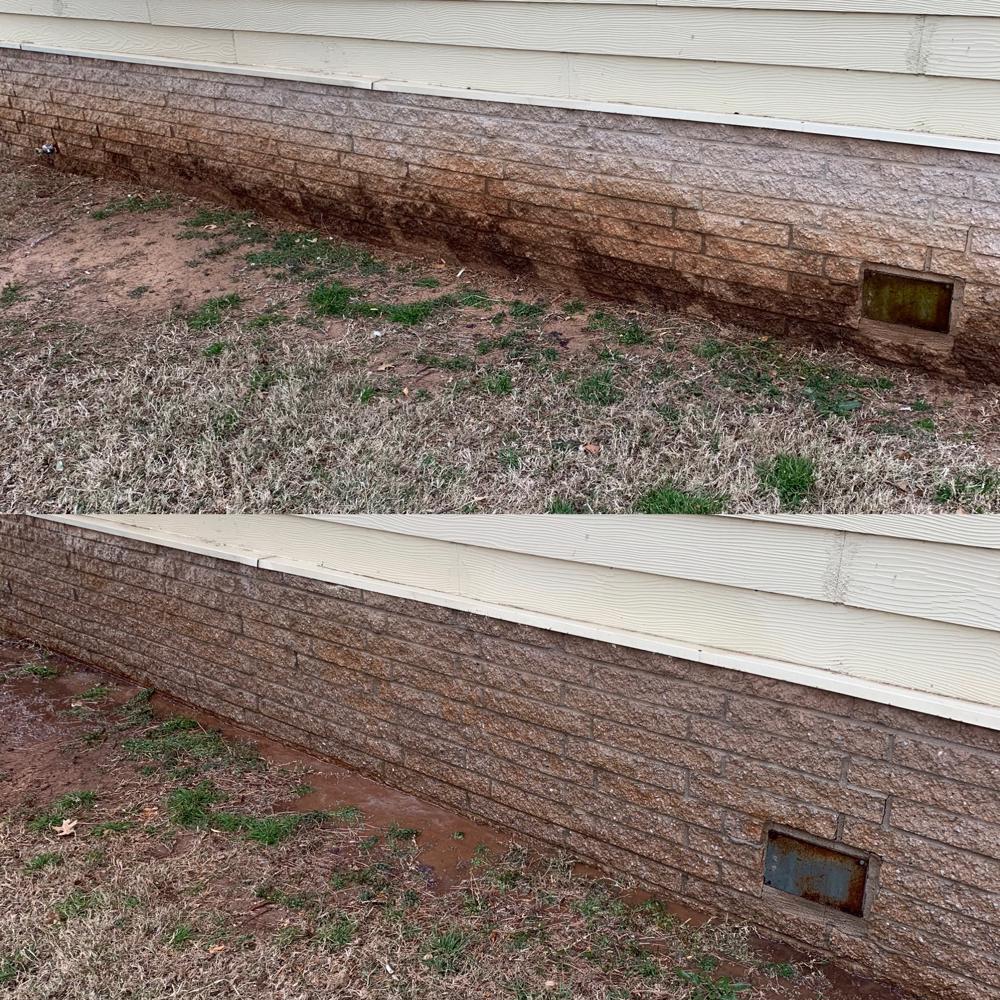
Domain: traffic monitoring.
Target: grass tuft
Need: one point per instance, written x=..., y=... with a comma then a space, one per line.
x=446, y=950
x=670, y=500
x=213, y=313
x=792, y=477
x=11, y=294
x=600, y=389
x=310, y=255
x=629, y=332
x=61, y=809
x=132, y=204
x=47, y=859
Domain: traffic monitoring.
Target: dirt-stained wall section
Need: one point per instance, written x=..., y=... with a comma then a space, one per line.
x=667, y=769
x=773, y=230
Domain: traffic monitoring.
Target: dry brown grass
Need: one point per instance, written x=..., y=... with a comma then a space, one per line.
x=162, y=908
x=126, y=412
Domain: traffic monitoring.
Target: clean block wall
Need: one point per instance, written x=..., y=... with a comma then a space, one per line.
x=644, y=763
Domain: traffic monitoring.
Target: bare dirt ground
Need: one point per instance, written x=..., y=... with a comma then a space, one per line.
x=146, y=853
x=161, y=354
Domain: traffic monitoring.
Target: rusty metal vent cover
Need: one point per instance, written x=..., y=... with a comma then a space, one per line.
x=907, y=300
x=817, y=873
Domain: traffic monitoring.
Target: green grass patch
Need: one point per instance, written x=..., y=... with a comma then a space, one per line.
x=792, y=477
x=266, y=319
x=526, y=310
x=509, y=458
x=182, y=742
x=337, y=299
x=412, y=313
x=15, y=964
x=229, y=228
x=497, y=383
x=560, y=506
x=671, y=500
x=11, y=294
x=974, y=490
x=445, y=952
x=77, y=904
x=192, y=808
x=61, y=809
x=136, y=711
x=628, y=332
x=336, y=933
x=749, y=368
x=600, y=389
x=310, y=255
x=704, y=986
x=334, y=299
x=217, y=348
x=47, y=859
x=41, y=670
x=112, y=826
x=509, y=341
x=213, y=313
x=473, y=298
x=574, y=307
x=132, y=204
x=96, y=693
x=181, y=936
x=834, y=392
x=427, y=283
x=456, y=363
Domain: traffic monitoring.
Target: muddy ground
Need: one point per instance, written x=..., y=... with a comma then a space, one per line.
x=148, y=851
x=160, y=354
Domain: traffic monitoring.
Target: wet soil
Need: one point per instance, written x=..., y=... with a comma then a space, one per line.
x=47, y=706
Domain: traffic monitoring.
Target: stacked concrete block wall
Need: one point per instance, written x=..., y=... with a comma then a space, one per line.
x=768, y=229
x=663, y=768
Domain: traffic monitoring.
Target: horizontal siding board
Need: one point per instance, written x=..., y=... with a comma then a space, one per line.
x=137, y=9
x=913, y=653
x=192, y=44
x=878, y=65
x=477, y=69
x=421, y=561
x=878, y=100
x=981, y=531
x=775, y=558
x=101, y=10
x=842, y=41
x=968, y=47
x=984, y=8
x=947, y=583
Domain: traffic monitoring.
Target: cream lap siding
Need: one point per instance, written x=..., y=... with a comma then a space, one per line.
x=892, y=617
x=922, y=66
